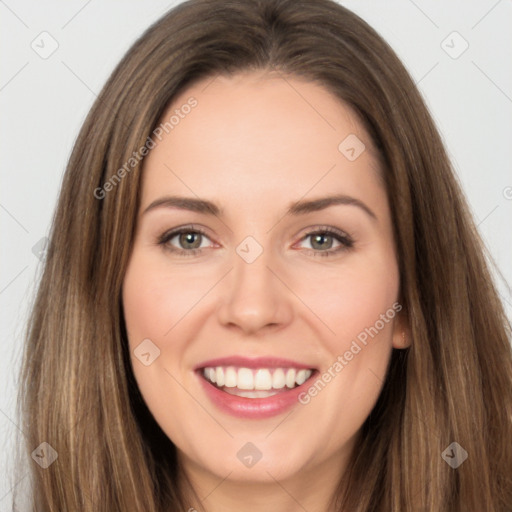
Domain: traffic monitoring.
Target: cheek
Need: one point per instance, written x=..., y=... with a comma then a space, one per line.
x=153, y=304
x=156, y=297
x=351, y=297
x=148, y=307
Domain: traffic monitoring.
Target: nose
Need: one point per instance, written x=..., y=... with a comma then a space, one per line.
x=254, y=299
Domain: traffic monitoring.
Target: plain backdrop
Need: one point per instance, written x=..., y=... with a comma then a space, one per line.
x=55, y=57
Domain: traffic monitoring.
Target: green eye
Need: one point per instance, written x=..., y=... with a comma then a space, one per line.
x=323, y=239
x=189, y=241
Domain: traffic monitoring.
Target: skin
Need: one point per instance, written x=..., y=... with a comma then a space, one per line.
x=255, y=143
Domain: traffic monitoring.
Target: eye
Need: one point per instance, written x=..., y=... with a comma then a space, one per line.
x=191, y=240
x=185, y=241
x=324, y=239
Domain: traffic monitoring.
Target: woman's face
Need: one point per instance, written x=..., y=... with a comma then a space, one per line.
x=270, y=281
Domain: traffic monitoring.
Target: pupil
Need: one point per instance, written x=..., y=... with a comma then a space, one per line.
x=187, y=238
x=318, y=238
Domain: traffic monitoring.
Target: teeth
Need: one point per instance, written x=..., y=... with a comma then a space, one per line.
x=230, y=375
x=219, y=376
x=290, y=378
x=301, y=377
x=245, y=379
x=278, y=379
x=261, y=379
x=250, y=393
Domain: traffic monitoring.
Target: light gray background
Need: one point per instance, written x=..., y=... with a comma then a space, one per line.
x=44, y=102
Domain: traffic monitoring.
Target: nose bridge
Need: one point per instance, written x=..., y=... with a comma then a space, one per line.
x=251, y=274
x=255, y=298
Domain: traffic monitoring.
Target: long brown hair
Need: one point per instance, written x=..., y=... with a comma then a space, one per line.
x=454, y=384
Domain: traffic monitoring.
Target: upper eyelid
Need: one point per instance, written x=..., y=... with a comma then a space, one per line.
x=204, y=231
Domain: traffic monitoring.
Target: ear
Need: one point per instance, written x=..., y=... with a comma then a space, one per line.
x=402, y=337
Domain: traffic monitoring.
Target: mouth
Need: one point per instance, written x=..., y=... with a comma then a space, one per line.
x=258, y=388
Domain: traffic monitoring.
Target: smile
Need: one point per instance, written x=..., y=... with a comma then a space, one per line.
x=254, y=388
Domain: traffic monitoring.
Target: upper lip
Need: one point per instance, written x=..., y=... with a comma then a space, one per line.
x=253, y=362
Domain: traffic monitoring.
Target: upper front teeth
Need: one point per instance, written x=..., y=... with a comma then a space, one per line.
x=260, y=379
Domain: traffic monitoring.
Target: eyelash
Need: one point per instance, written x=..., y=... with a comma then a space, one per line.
x=346, y=241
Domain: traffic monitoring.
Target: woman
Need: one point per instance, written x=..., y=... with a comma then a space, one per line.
x=243, y=371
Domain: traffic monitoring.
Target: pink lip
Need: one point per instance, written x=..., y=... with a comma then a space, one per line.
x=255, y=362
x=253, y=408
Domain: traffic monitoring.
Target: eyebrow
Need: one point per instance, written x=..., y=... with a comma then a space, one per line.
x=296, y=208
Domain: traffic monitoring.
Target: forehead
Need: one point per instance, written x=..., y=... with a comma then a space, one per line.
x=258, y=134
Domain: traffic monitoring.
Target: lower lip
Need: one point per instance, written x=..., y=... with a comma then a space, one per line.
x=254, y=408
